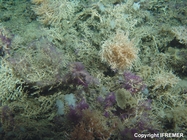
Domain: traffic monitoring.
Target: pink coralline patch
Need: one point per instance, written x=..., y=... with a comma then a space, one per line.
x=133, y=83
x=79, y=76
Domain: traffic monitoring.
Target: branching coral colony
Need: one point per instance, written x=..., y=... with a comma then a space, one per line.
x=119, y=52
x=85, y=77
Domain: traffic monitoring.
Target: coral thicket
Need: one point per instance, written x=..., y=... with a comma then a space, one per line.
x=53, y=12
x=181, y=33
x=165, y=79
x=42, y=64
x=92, y=69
